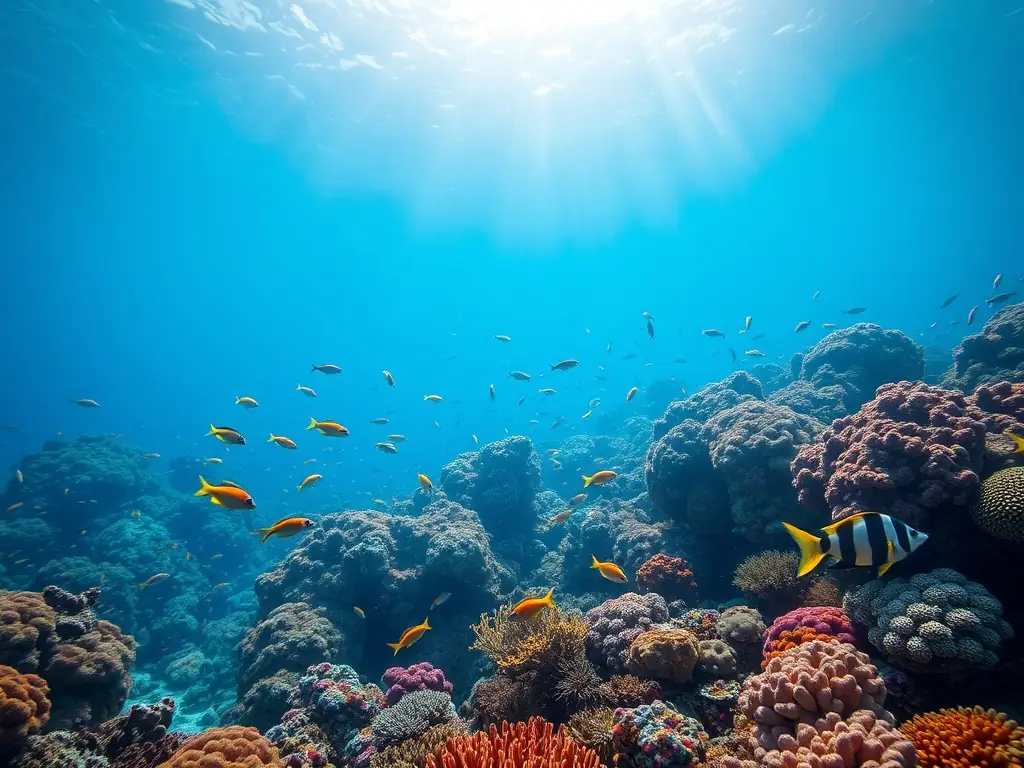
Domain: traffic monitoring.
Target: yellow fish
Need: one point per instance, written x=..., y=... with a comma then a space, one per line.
x=226, y=495
x=359, y=611
x=284, y=528
x=284, y=442
x=227, y=435
x=565, y=514
x=310, y=481
x=15, y=506
x=425, y=482
x=329, y=428
x=1016, y=439
x=410, y=636
x=246, y=402
x=599, y=478
x=529, y=607
x=609, y=570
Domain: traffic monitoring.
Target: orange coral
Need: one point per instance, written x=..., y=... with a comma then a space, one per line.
x=791, y=638
x=26, y=625
x=24, y=706
x=235, y=746
x=952, y=738
x=535, y=744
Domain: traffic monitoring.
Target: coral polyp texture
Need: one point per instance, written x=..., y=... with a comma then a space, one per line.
x=806, y=683
x=664, y=654
x=832, y=741
x=616, y=623
x=938, y=622
x=822, y=620
x=657, y=736
x=234, y=746
x=24, y=706
x=965, y=736
x=670, y=577
x=423, y=676
x=741, y=624
x=771, y=577
x=533, y=744
x=999, y=510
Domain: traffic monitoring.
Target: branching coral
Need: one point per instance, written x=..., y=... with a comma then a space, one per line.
x=516, y=646
x=24, y=706
x=232, y=747
x=664, y=654
x=670, y=577
x=951, y=738
x=534, y=744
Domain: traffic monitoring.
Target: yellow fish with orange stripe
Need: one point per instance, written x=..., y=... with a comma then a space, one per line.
x=529, y=607
x=328, y=428
x=410, y=636
x=608, y=570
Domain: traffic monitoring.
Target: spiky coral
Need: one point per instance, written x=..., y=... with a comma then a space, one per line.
x=771, y=576
x=517, y=646
x=534, y=744
x=951, y=738
x=593, y=728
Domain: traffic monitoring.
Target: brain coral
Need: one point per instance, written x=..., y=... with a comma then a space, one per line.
x=664, y=654
x=232, y=747
x=995, y=353
x=616, y=623
x=860, y=359
x=717, y=658
x=751, y=446
x=24, y=706
x=951, y=738
x=533, y=744
x=806, y=683
x=911, y=449
x=670, y=577
x=999, y=510
x=938, y=622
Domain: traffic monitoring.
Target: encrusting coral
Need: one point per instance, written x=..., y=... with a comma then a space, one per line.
x=533, y=744
x=951, y=738
x=24, y=706
x=234, y=746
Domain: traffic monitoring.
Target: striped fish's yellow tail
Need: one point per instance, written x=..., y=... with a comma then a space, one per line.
x=810, y=549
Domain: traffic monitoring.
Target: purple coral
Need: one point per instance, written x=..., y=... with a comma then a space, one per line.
x=419, y=677
x=616, y=623
x=824, y=620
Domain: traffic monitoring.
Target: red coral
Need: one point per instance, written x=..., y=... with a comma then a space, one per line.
x=791, y=638
x=534, y=744
x=670, y=577
x=24, y=706
x=235, y=746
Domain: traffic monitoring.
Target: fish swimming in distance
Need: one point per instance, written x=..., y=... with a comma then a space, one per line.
x=327, y=368
x=803, y=325
x=632, y=393
x=389, y=378
x=713, y=333
x=284, y=442
x=565, y=365
x=502, y=337
x=949, y=301
x=855, y=310
x=307, y=391
x=999, y=298
x=599, y=478
x=86, y=402
x=328, y=428
x=246, y=402
x=865, y=539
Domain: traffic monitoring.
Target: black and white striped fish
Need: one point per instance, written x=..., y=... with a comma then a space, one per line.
x=864, y=539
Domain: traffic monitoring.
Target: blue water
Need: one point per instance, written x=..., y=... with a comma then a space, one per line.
x=201, y=198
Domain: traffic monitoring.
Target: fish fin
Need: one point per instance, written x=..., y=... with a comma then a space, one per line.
x=397, y=646
x=312, y=423
x=426, y=623
x=839, y=565
x=216, y=501
x=810, y=549
x=271, y=438
x=204, y=487
x=1016, y=439
x=263, y=533
x=143, y=585
x=830, y=529
x=594, y=562
x=883, y=568
x=237, y=399
x=213, y=431
x=587, y=481
x=547, y=598
x=315, y=367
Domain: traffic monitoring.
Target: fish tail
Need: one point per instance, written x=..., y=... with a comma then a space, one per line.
x=1016, y=439
x=237, y=399
x=315, y=367
x=213, y=431
x=587, y=481
x=594, y=563
x=312, y=423
x=547, y=598
x=204, y=487
x=426, y=623
x=271, y=438
x=810, y=549
x=396, y=646
x=143, y=585
x=263, y=533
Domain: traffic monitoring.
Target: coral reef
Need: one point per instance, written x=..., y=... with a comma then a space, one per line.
x=593, y=728
x=664, y=654
x=517, y=646
x=825, y=404
x=823, y=620
x=736, y=388
x=996, y=353
x=717, y=658
x=533, y=744
x=806, y=683
x=999, y=510
x=861, y=739
x=412, y=753
x=741, y=624
x=615, y=624
x=657, y=736
x=418, y=677
x=234, y=746
x=937, y=622
x=410, y=717
x=771, y=577
x=860, y=359
x=669, y=577
x=24, y=706
x=951, y=738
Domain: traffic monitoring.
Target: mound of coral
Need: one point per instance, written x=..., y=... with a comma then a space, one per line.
x=995, y=353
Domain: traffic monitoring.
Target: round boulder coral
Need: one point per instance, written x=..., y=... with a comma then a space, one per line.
x=232, y=747
x=664, y=654
x=616, y=623
x=24, y=706
x=999, y=510
x=717, y=658
x=670, y=577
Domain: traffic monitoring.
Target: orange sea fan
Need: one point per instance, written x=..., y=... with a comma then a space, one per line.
x=953, y=738
x=534, y=744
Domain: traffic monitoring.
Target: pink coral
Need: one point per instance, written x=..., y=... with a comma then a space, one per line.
x=832, y=742
x=806, y=683
x=419, y=677
x=911, y=449
x=824, y=620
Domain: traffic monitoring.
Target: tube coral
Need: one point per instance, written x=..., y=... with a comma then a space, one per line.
x=534, y=744
x=951, y=738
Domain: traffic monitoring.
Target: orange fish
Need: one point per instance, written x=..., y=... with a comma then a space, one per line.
x=15, y=506
x=289, y=526
x=310, y=481
x=529, y=607
x=228, y=496
x=329, y=428
x=410, y=636
x=284, y=442
x=154, y=579
x=609, y=570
